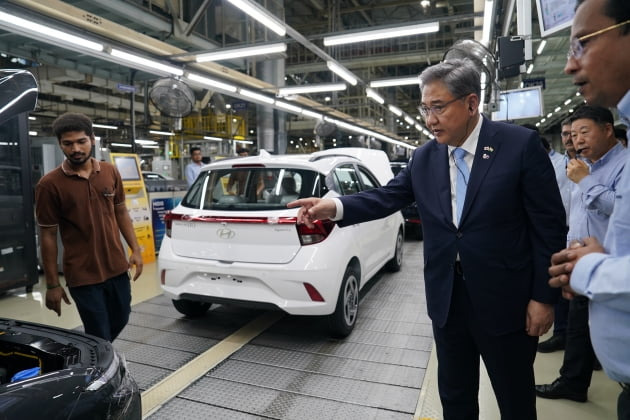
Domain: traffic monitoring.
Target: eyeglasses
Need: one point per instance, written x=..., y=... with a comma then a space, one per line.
x=576, y=49
x=565, y=134
x=437, y=109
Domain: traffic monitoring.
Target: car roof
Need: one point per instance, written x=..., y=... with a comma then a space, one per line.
x=322, y=161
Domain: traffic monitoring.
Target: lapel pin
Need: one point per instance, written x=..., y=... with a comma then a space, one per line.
x=488, y=149
x=485, y=156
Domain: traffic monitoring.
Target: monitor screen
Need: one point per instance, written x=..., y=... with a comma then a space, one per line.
x=519, y=103
x=554, y=15
x=127, y=167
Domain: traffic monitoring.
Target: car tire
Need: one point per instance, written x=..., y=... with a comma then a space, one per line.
x=191, y=308
x=395, y=263
x=341, y=322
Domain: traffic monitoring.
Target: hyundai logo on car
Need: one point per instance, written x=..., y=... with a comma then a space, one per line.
x=225, y=233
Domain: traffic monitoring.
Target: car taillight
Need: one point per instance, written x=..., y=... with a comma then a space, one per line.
x=170, y=216
x=316, y=234
x=168, y=221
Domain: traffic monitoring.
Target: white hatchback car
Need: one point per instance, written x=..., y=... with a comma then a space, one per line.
x=233, y=240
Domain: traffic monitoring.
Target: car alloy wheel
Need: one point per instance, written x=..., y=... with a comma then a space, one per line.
x=395, y=263
x=345, y=316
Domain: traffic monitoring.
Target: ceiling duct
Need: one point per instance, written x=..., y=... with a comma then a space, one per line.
x=486, y=64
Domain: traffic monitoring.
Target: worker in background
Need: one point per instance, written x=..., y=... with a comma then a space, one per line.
x=195, y=165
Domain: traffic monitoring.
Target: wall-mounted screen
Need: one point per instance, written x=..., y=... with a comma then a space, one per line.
x=519, y=103
x=127, y=167
x=554, y=15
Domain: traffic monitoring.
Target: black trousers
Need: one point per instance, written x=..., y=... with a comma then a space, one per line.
x=561, y=316
x=623, y=403
x=577, y=365
x=104, y=308
x=509, y=360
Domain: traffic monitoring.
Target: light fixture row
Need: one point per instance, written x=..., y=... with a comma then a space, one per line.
x=558, y=109
x=27, y=28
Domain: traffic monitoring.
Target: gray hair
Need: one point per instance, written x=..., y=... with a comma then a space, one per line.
x=460, y=76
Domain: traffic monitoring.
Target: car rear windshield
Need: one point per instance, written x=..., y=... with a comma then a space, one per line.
x=254, y=188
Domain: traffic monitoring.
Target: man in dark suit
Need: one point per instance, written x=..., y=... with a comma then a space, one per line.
x=486, y=256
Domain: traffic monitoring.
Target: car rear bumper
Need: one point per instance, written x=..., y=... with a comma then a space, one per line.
x=280, y=285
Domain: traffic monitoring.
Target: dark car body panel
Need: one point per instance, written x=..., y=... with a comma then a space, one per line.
x=72, y=364
x=413, y=224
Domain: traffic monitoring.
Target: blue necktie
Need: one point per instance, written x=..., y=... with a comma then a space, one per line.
x=462, y=180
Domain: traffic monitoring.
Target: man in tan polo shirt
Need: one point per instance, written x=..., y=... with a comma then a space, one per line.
x=84, y=199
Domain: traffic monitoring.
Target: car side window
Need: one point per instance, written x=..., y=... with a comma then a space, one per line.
x=348, y=179
x=368, y=180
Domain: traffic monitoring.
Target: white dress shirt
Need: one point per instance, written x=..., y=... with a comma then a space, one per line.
x=469, y=145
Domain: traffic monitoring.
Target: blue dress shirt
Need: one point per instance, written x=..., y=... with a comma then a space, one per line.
x=592, y=200
x=605, y=280
x=565, y=185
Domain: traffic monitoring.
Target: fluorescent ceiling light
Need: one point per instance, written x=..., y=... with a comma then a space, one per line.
x=210, y=82
x=109, y=127
x=212, y=138
x=397, y=81
x=143, y=142
x=312, y=114
x=261, y=15
x=257, y=96
x=289, y=107
x=244, y=141
x=146, y=63
x=395, y=110
x=364, y=131
x=421, y=28
x=557, y=109
x=121, y=144
x=150, y=146
x=32, y=133
x=541, y=46
x=24, y=26
x=530, y=68
x=488, y=9
x=375, y=96
x=231, y=53
x=320, y=87
x=342, y=72
x=567, y=102
x=32, y=118
x=162, y=133
x=409, y=120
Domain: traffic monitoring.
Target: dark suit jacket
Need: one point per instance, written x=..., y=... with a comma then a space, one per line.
x=512, y=221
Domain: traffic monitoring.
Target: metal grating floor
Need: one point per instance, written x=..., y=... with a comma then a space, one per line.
x=293, y=370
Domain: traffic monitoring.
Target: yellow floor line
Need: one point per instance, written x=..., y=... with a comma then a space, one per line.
x=428, y=407
x=154, y=397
